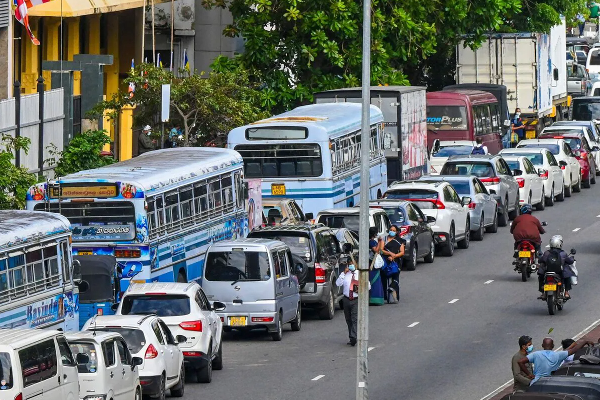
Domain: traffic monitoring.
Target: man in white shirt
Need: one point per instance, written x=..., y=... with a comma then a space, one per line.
x=349, y=280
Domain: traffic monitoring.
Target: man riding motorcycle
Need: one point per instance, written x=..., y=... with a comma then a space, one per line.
x=561, y=266
x=527, y=227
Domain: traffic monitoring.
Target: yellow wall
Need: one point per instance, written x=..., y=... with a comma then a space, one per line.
x=30, y=60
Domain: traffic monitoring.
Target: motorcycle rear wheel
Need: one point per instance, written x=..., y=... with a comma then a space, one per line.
x=551, y=304
x=524, y=269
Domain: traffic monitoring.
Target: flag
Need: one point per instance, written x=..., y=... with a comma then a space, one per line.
x=20, y=7
x=186, y=62
x=158, y=61
x=132, y=84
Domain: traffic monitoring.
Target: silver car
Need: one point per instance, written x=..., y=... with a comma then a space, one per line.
x=483, y=209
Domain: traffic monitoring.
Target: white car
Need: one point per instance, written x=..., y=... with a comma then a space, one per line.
x=593, y=61
x=442, y=149
x=565, y=157
x=187, y=312
x=440, y=201
x=106, y=368
x=547, y=166
x=531, y=185
x=150, y=338
x=592, y=134
x=348, y=217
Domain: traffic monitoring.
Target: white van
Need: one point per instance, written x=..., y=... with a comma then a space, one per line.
x=37, y=364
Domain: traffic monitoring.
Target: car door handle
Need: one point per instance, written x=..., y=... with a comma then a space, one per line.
x=112, y=374
x=65, y=377
x=123, y=372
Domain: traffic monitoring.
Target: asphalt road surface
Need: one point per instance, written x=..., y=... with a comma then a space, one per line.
x=451, y=336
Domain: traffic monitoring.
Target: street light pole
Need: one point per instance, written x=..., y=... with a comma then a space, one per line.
x=363, y=287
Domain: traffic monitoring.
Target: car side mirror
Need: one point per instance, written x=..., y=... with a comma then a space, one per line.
x=218, y=306
x=517, y=172
x=309, y=216
x=137, y=361
x=595, y=148
x=466, y=201
x=181, y=339
x=491, y=191
x=114, y=307
x=82, y=358
x=573, y=251
x=562, y=163
x=542, y=172
x=430, y=219
x=76, y=272
x=506, y=123
x=347, y=248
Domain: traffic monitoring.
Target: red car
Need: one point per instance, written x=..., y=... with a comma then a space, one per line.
x=581, y=150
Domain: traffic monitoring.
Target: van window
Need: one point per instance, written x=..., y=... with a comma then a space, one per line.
x=298, y=242
x=89, y=350
x=124, y=354
x=237, y=265
x=66, y=357
x=6, y=373
x=38, y=362
x=594, y=57
x=108, y=348
x=446, y=118
x=162, y=305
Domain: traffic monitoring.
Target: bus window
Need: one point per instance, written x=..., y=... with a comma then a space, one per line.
x=239, y=191
x=446, y=118
x=215, y=199
x=152, y=222
x=51, y=265
x=65, y=255
x=227, y=189
x=478, y=121
x=35, y=270
x=281, y=160
x=16, y=279
x=186, y=199
x=486, y=119
x=200, y=198
x=171, y=207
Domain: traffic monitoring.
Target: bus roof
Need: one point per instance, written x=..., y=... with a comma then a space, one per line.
x=160, y=168
x=472, y=96
x=18, y=226
x=332, y=118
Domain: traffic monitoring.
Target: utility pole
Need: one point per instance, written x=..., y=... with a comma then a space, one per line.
x=362, y=370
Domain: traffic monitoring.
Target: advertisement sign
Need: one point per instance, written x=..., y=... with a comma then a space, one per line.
x=83, y=191
x=414, y=134
x=61, y=309
x=104, y=232
x=254, y=204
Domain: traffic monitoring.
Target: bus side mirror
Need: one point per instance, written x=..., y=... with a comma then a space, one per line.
x=245, y=189
x=555, y=72
x=76, y=272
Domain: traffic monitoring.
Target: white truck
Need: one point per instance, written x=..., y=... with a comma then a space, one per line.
x=533, y=66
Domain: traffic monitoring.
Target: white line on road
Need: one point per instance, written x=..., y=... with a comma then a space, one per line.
x=576, y=229
x=547, y=245
x=316, y=378
x=597, y=216
x=413, y=325
x=370, y=348
x=488, y=282
x=452, y=301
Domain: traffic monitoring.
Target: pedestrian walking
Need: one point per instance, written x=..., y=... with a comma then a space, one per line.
x=522, y=379
x=393, y=251
x=145, y=143
x=349, y=281
x=376, y=297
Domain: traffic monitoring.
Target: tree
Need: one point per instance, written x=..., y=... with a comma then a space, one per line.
x=82, y=153
x=14, y=181
x=208, y=106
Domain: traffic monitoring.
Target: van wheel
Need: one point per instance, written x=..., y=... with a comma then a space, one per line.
x=179, y=389
x=328, y=311
x=218, y=361
x=278, y=334
x=297, y=322
x=205, y=374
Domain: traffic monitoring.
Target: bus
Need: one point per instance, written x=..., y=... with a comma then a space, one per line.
x=156, y=213
x=312, y=154
x=464, y=115
x=37, y=288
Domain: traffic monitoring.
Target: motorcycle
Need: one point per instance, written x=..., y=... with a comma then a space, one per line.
x=526, y=258
x=555, y=290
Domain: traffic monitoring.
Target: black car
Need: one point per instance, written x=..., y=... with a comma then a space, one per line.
x=317, y=249
x=414, y=228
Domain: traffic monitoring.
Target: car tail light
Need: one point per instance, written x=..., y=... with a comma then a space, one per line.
x=151, y=352
x=583, y=85
x=436, y=202
x=490, y=181
x=192, y=354
x=521, y=182
x=472, y=205
x=320, y=274
x=100, y=311
x=563, y=166
x=191, y=326
x=128, y=253
x=262, y=319
x=559, y=137
x=404, y=230
x=19, y=396
x=544, y=175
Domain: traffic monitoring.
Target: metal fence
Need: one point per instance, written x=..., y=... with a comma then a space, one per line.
x=30, y=123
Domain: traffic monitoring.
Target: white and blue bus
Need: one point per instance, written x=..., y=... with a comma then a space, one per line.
x=36, y=272
x=156, y=213
x=312, y=155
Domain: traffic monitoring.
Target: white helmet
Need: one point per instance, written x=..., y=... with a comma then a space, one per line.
x=147, y=128
x=556, y=242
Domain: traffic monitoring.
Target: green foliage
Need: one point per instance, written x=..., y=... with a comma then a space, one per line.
x=82, y=153
x=14, y=182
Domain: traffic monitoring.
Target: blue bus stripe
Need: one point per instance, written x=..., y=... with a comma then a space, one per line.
x=17, y=315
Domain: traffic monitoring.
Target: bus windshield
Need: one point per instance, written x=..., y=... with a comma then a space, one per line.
x=281, y=160
x=446, y=118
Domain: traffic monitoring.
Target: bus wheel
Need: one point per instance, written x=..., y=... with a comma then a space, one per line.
x=181, y=277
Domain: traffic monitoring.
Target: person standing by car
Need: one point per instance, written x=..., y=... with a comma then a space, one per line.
x=522, y=380
x=517, y=127
x=349, y=281
x=479, y=147
x=376, y=294
x=393, y=252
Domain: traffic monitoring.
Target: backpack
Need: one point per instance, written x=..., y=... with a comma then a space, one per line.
x=553, y=261
x=478, y=150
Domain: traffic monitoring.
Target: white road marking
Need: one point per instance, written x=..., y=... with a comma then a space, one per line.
x=488, y=282
x=597, y=216
x=576, y=337
x=370, y=348
x=316, y=378
x=576, y=229
x=452, y=301
x=547, y=245
x=413, y=325
x=361, y=384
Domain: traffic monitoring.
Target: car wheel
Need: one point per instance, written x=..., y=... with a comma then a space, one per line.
x=588, y=184
x=593, y=178
x=541, y=206
x=179, y=389
x=138, y=394
x=431, y=256
x=561, y=196
x=503, y=216
x=411, y=263
x=568, y=190
x=550, y=200
x=278, y=334
x=448, y=249
x=328, y=311
x=515, y=213
x=297, y=322
x=205, y=374
x=217, y=363
x=464, y=244
x=478, y=234
x=494, y=227
x=577, y=187
x=161, y=388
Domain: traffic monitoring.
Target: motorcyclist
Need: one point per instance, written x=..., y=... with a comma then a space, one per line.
x=527, y=227
x=563, y=268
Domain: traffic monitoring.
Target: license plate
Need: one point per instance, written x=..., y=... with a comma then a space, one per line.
x=530, y=134
x=549, y=288
x=278, y=189
x=84, y=253
x=524, y=254
x=237, y=321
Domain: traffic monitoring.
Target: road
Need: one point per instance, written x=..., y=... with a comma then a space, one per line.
x=451, y=336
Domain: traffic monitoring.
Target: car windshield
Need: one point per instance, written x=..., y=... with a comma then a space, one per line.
x=298, y=242
x=446, y=118
x=479, y=169
x=586, y=110
x=513, y=164
x=6, y=374
x=423, y=198
x=162, y=305
x=463, y=188
x=395, y=215
x=536, y=159
x=554, y=149
x=575, y=143
x=86, y=349
x=237, y=265
x=134, y=338
x=340, y=221
x=594, y=57
x=458, y=150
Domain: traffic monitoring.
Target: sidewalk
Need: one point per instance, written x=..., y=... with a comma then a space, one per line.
x=592, y=333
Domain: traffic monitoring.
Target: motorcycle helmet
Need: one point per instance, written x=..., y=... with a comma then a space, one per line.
x=526, y=209
x=146, y=128
x=556, y=242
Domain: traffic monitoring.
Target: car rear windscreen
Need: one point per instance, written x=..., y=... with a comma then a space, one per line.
x=536, y=159
x=479, y=169
x=554, y=149
x=89, y=350
x=298, y=242
x=134, y=338
x=448, y=151
x=163, y=305
x=423, y=198
x=585, y=110
x=237, y=265
x=340, y=221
